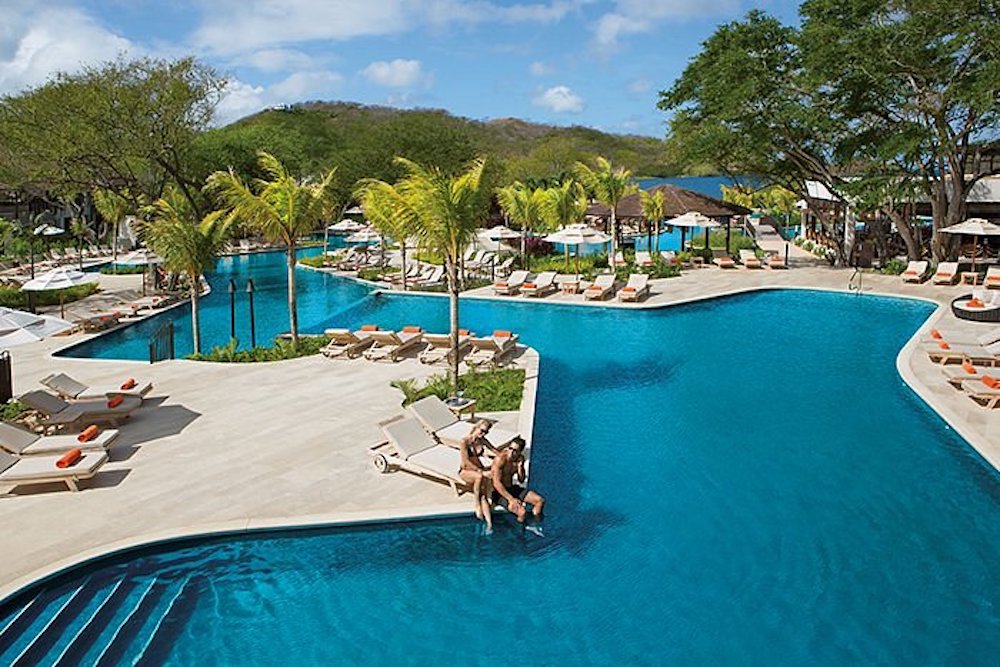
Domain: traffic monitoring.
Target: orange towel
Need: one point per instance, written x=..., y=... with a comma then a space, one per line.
x=935, y=334
x=129, y=384
x=944, y=346
x=115, y=401
x=500, y=283
x=369, y=327
x=88, y=433
x=411, y=329
x=529, y=285
x=463, y=332
x=974, y=303
x=968, y=367
x=993, y=278
x=909, y=273
x=501, y=333
x=943, y=275
x=69, y=458
x=991, y=382
x=628, y=289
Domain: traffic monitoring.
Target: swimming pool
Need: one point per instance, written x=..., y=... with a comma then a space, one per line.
x=693, y=517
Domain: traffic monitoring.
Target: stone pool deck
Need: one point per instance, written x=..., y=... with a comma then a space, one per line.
x=236, y=447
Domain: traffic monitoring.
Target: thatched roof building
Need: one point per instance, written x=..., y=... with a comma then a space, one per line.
x=676, y=201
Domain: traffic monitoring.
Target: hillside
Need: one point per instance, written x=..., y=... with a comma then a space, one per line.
x=362, y=141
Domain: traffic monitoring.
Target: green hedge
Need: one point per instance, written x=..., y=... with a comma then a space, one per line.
x=123, y=270
x=282, y=349
x=15, y=297
x=493, y=390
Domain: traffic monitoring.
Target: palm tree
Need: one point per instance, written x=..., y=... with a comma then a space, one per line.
x=281, y=207
x=522, y=205
x=81, y=232
x=446, y=211
x=388, y=212
x=609, y=186
x=113, y=207
x=652, y=210
x=563, y=205
x=186, y=244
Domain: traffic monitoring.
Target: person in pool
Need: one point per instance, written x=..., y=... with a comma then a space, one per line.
x=474, y=471
x=507, y=470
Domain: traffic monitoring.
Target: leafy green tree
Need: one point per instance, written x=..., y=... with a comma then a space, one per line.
x=389, y=213
x=446, y=211
x=188, y=244
x=609, y=185
x=81, y=233
x=280, y=206
x=523, y=206
x=563, y=205
x=113, y=207
x=652, y=209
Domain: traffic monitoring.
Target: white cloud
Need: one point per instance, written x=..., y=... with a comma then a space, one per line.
x=631, y=17
x=278, y=60
x=241, y=99
x=396, y=73
x=560, y=99
x=539, y=68
x=639, y=86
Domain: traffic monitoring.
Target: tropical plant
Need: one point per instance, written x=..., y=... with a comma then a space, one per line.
x=280, y=206
x=385, y=208
x=608, y=186
x=563, y=205
x=81, y=232
x=113, y=208
x=187, y=244
x=523, y=206
x=652, y=210
x=445, y=212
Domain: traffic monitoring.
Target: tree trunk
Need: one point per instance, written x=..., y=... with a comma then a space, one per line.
x=402, y=269
x=453, y=291
x=614, y=241
x=850, y=234
x=656, y=238
x=195, y=325
x=114, y=242
x=905, y=232
x=293, y=313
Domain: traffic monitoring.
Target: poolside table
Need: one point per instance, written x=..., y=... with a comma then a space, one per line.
x=458, y=406
x=969, y=277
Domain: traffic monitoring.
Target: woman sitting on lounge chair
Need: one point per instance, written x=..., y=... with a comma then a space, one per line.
x=473, y=471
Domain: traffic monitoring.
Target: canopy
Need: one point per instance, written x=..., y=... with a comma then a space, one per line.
x=140, y=257
x=973, y=227
x=58, y=278
x=692, y=219
x=500, y=232
x=346, y=225
x=577, y=234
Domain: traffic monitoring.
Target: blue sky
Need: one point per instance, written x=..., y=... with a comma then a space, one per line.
x=598, y=63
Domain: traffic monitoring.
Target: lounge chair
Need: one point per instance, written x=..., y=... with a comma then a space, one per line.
x=602, y=286
x=504, y=268
x=511, y=284
x=749, y=259
x=965, y=337
x=643, y=258
x=434, y=277
x=491, y=350
x=67, y=387
x=722, y=260
x=391, y=345
x=58, y=412
x=776, y=261
x=981, y=391
x=669, y=256
x=442, y=423
x=944, y=353
x=348, y=344
x=637, y=288
x=410, y=447
x=440, y=347
x=413, y=271
x=992, y=279
x=620, y=258
x=17, y=441
x=568, y=283
x=915, y=272
x=946, y=274
x=541, y=285
x=15, y=471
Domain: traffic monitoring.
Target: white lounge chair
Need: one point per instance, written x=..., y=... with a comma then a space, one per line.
x=723, y=260
x=491, y=350
x=68, y=387
x=749, y=259
x=434, y=277
x=541, y=285
x=946, y=273
x=992, y=279
x=643, y=258
x=775, y=261
x=439, y=348
x=20, y=442
x=345, y=343
x=602, y=286
x=511, y=284
x=409, y=447
x=390, y=345
x=915, y=272
x=442, y=423
x=59, y=413
x=15, y=471
x=944, y=353
x=620, y=258
x=981, y=392
x=636, y=288
x=964, y=336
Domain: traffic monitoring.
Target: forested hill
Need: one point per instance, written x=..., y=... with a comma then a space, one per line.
x=362, y=140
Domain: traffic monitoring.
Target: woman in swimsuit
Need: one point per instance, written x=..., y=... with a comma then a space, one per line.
x=473, y=471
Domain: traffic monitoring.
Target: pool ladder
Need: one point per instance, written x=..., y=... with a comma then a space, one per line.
x=855, y=283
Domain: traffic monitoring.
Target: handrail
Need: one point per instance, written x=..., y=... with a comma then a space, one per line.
x=856, y=285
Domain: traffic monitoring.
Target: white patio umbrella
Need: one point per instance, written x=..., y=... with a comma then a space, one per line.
x=501, y=232
x=974, y=227
x=486, y=242
x=346, y=226
x=18, y=327
x=575, y=235
x=692, y=219
x=366, y=235
x=354, y=210
x=59, y=279
x=47, y=230
x=11, y=319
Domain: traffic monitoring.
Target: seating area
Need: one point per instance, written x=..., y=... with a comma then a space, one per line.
x=970, y=362
x=15, y=273
x=375, y=344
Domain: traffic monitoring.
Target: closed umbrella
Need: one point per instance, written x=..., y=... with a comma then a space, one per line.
x=58, y=279
x=974, y=227
x=575, y=235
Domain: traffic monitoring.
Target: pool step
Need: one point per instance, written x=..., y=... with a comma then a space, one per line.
x=119, y=642
x=53, y=630
x=87, y=635
x=169, y=625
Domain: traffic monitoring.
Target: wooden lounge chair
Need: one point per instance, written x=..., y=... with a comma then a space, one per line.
x=946, y=273
x=944, y=353
x=347, y=344
x=442, y=423
x=992, y=279
x=964, y=336
x=511, y=284
x=776, y=261
x=749, y=259
x=985, y=390
x=541, y=285
x=491, y=350
x=390, y=345
x=915, y=272
x=409, y=447
x=439, y=348
x=17, y=441
x=637, y=288
x=70, y=388
x=722, y=260
x=602, y=286
x=16, y=471
x=60, y=413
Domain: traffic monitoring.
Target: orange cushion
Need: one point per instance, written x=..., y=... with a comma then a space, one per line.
x=369, y=327
x=88, y=433
x=943, y=275
x=968, y=367
x=991, y=382
x=944, y=346
x=935, y=334
x=529, y=285
x=501, y=333
x=992, y=278
x=69, y=458
x=116, y=401
x=628, y=289
x=463, y=332
x=500, y=283
x=909, y=273
x=129, y=384
x=411, y=329
x=974, y=303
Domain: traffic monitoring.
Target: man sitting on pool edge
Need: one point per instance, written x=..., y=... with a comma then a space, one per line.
x=508, y=466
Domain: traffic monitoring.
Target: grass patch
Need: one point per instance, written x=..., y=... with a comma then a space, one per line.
x=316, y=261
x=281, y=350
x=373, y=273
x=122, y=270
x=493, y=390
x=15, y=297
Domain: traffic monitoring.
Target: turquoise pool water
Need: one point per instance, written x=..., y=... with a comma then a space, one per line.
x=694, y=518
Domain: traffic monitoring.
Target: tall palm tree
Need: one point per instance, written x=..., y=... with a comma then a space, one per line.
x=563, y=205
x=652, y=210
x=388, y=212
x=81, y=232
x=187, y=244
x=446, y=211
x=522, y=205
x=609, y=186
x=113, y=207
x=280, y=206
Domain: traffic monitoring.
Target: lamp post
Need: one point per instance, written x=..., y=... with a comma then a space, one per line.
x=232, y=309
x=253, y=328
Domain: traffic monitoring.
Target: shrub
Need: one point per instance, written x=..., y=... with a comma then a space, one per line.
x=493, y=390
x=808, y=245
x=11, y=410
x=112, y=270
x=282, y=349
x=15, y=297
x=315, y=261
x=373, y=273
x=893, y=267
x=537, y=247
